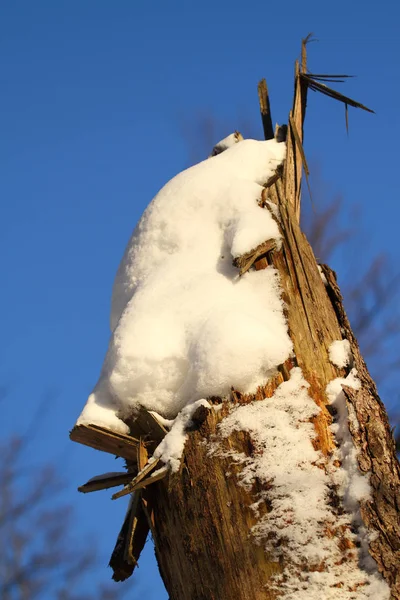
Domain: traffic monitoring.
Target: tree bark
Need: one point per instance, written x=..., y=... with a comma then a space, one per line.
x=201, y=517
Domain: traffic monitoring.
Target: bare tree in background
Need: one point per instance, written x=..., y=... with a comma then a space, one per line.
x=40, y=557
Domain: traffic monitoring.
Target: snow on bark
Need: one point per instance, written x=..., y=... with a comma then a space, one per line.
x=340, y=353
x=302, y=526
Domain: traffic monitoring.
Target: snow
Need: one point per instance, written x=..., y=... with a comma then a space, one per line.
x=182, y=319
x=186, y=327
x=298, y=492
x=353, y=486
x=227, y=142
x=170, y=450
x=340, y=353
x=167, y=423
x=101, y=410
x=324, y=279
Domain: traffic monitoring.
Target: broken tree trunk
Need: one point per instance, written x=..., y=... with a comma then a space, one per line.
x=205, y=518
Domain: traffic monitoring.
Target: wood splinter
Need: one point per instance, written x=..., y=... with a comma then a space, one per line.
x=106, y=481
x=246, y=261
x=143, y=479
x=101, y=438
x=131, y=540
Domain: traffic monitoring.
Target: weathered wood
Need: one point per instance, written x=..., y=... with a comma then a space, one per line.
x=145, y=426
x=134, y=532
x=201, y=517
x=213, y=557
x=327, y=91
x=104, y=482
x=293, y=162
x=105, y=440
x=299, y=144
x=246, y=261
x=139, y=479
x=376, y=454
x=144, y=482
x=265, y=110
x=274, y=178
x=131, y=540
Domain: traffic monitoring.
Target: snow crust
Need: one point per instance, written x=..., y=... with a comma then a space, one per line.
x=324, y=279
x=340, y=353
x=353, y=486
x=184, y=325
x=226, y=143
x=102, y=412
x=170, y=449
x=298, y=491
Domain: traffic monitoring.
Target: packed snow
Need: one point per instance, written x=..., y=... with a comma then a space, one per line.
x=324, y=279
x=184, y=325
x=353, y=486
x=226, y=143
x=299, y=489
x=340, y=353
x=170, y=450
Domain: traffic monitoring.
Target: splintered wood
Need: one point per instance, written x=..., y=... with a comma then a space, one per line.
x=105, y=440
x=200, y=517
x=146, y=432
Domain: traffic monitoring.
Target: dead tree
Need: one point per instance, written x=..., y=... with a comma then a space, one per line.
x=202, y=518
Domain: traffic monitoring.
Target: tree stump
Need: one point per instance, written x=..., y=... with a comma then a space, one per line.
x=205, y=518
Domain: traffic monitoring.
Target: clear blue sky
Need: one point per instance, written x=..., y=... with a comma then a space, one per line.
x=93, y=96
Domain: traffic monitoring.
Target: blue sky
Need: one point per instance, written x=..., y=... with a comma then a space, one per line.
x=94, y=97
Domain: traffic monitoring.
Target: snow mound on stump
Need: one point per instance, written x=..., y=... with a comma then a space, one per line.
x=184, y=325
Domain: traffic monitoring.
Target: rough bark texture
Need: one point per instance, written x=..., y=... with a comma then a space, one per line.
x=201, y=518
x=376, y=454
x=202, y=525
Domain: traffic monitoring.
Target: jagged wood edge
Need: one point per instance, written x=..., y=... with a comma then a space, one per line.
x=104, y=483
x=139, y=479
x=105, y=440
x=246, y=261
x=376, y=454
x=130, y=541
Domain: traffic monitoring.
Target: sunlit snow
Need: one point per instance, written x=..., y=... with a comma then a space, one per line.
x=298, y=493
x=340, y=353
x=185, y=326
